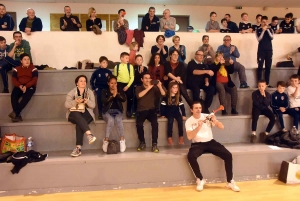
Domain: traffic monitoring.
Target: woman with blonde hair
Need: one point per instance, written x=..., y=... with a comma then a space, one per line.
x=180, y=48
x=93, y=20
x=222, y=81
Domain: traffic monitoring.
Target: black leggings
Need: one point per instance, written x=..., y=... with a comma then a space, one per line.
x=268, y=113
x=214, y=147
x=82, y=121
x=178, y=118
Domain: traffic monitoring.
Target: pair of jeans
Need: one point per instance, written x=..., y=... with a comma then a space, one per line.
x=82, y=121
x=113, y=117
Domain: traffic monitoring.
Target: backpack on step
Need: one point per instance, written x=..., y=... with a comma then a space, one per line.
x=113, y=147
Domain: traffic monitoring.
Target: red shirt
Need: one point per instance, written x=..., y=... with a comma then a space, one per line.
x=221, y=78
x=157, y=72
x=25, y=76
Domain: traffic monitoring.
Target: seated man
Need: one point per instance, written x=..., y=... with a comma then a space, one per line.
x=146, y=95
x=121, y=23
x=69, y=22
x=6, y=21
x=198, y=75
x=199, y=130
x=287, y=25
x=4, y=65
x=167, y=22
x=17, y=48
x=24, y=78
x=231, y=51
x=150, y=21
x=231, y=25
x=31, y=23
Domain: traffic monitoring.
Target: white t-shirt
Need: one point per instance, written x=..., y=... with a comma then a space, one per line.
x=294, y=102
x=205, y=133
x=297, y=23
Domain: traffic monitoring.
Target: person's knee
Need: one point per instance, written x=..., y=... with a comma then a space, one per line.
x=191, y=157
x=228, y=156
x=154, y=123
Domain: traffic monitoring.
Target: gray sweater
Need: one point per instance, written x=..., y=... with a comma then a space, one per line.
x=169, y=22
x=71, y=102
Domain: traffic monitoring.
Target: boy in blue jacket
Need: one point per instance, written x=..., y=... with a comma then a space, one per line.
x=98, y=82
x=280, y=103
x=4, y=66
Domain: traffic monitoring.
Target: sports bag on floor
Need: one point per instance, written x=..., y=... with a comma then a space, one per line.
x=113, y=147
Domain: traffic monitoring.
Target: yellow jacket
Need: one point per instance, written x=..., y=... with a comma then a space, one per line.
x=123, y=74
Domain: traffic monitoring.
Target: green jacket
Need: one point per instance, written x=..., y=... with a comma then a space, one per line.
x=23, y=48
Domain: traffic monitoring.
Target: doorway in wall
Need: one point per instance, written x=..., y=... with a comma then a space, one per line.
x=14, y=16
x=183, y=21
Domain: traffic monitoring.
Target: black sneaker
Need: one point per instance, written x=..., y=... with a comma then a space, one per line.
x=155, y=148
x=253, y=138
x=224, y=112
x=17, y=119
x=233, y=111
x=128, y=114
x=5, y=91
x=142, y=146
x=244, y=85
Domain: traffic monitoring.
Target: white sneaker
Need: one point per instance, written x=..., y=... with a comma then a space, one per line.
x=105, y=145
x=122, y=145
x=200, y=184
x=233, y=186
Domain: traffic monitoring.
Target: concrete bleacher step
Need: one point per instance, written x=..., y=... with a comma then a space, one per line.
x=52, y=105
x=57, y=81
x=97, y=171
x=59, y=135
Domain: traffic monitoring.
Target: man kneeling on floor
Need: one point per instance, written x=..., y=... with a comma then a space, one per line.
x=199, y=130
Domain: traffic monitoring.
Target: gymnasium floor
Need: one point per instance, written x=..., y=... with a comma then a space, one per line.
x=264, y=190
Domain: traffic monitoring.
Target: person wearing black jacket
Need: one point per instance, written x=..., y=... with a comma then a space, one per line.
x=264, y=36
x=261, y=101
x=199, y=78
x=6, y=21
x=280, y=103
x=31, y=23
x=232, y=26
x=150, y=21
x=221, y=80
x=93, y=20
x=176, y=71
x=69, y=22
x=160, y=48
x=112, y=100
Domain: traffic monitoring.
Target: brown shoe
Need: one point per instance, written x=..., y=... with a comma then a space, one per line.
x=263, y=137
x=12, y=115
x=181, y=141
x=253, y=138
x=170, y=141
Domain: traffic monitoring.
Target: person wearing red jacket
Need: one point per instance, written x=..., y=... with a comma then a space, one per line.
x=24, y=79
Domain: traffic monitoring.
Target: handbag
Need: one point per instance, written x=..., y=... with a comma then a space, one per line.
x=285, y=64
x=290, y=171
x=80, y=107
x=13, y=143
x=113, y=147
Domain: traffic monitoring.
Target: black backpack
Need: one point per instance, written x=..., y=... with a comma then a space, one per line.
x=285, y=64
x=113, y=147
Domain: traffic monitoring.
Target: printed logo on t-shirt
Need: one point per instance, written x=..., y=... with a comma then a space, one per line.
x=2, y=55
x=106, y=74
x=19, y=51
x=99, y=75
x=275, y=97
x=282, y=97
x=194, y=126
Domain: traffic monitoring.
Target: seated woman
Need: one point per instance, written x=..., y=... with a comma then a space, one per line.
x=112, y=100
x=93, y=20
x=24, y=79
x=156, y=69
x=208, y=51
x=176, y=71
x=180, y=48
x=222, y=81
x=80, y=103
x=160, y=48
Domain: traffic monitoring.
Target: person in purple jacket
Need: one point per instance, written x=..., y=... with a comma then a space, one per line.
x=261, y=102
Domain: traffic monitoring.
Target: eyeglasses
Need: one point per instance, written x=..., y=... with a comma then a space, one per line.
x=199, y=54
x=227, y=40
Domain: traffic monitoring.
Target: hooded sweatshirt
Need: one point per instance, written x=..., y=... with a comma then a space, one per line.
x=3, y=54
x=153, y=25
x=24, y=47
x=8, y=20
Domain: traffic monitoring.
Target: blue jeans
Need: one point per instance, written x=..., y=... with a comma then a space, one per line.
x=114, y=117
x=279, y=114
x=295, y=114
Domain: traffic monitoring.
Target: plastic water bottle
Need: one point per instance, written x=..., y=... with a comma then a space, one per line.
x=294, y=131
x=29, y=144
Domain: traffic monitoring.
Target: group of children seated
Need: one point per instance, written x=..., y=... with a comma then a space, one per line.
x=172, y=107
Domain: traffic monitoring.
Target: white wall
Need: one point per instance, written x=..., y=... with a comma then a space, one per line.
x=59, y=49
x=199, y=15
